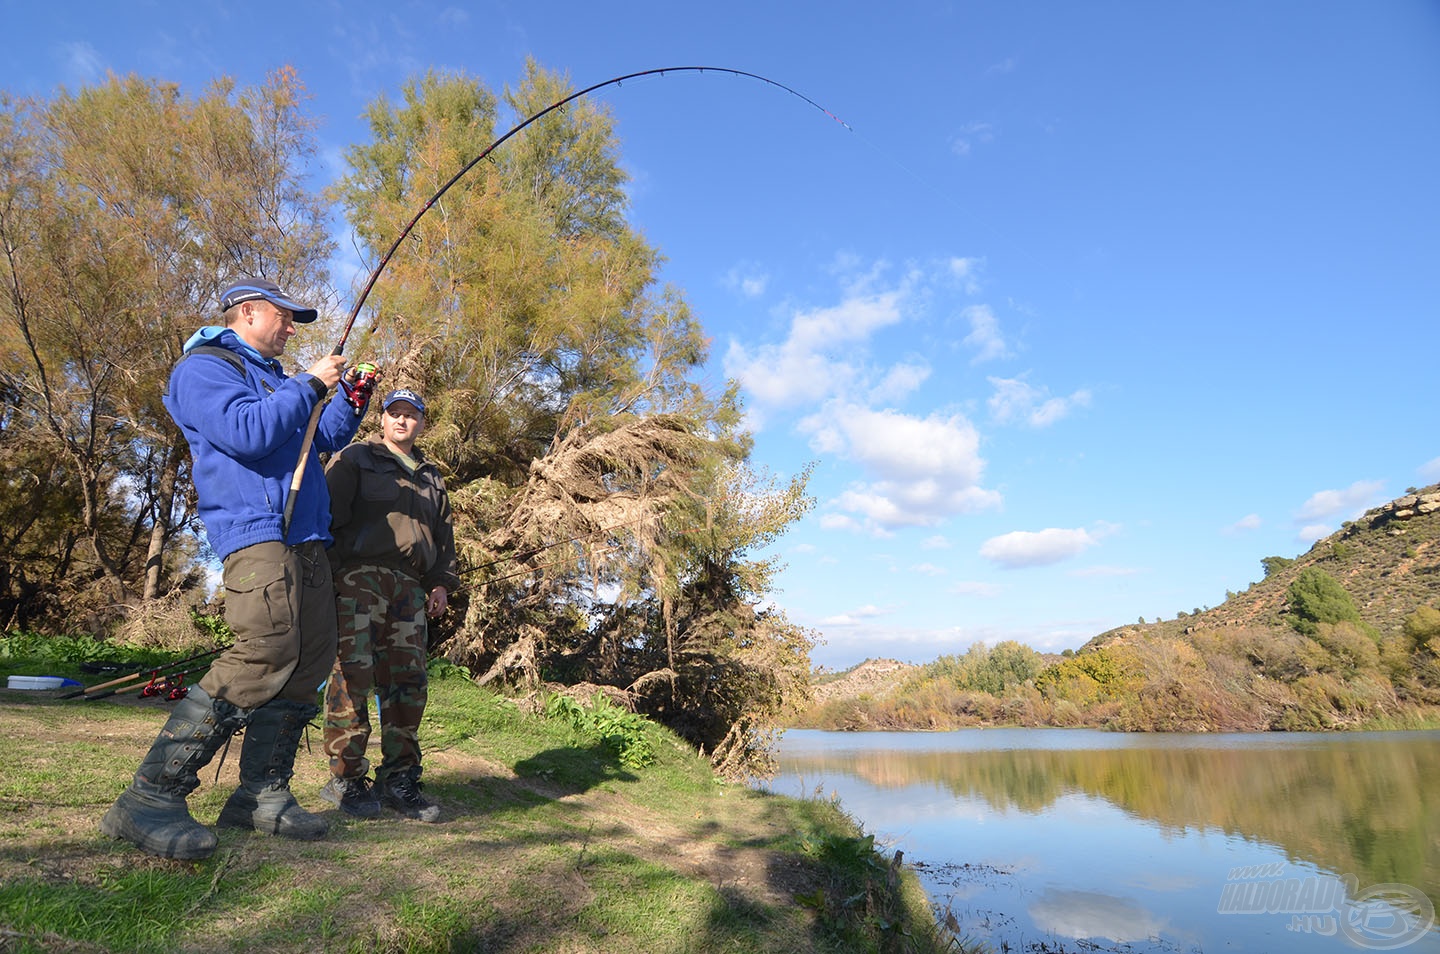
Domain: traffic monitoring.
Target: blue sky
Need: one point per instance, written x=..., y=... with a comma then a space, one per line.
x=1092, y=307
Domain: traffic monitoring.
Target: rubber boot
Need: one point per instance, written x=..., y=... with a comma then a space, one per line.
x=267, y=762
x=152, y=812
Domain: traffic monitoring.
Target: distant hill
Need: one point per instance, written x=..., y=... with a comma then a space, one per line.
x=873, y=677
x=1387, y=561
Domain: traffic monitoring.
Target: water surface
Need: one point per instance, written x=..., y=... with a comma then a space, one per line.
x=1078, y=840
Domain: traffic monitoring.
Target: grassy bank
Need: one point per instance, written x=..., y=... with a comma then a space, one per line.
x=548, y=842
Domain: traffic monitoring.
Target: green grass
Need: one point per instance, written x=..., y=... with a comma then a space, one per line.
x=548, y=842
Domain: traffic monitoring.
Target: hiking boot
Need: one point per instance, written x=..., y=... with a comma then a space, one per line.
x=401, y=792
x=152, y=813
x=263, y=800
x=354, y=796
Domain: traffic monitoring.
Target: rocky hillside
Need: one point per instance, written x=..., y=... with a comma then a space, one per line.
x=873, y=677
x=1388, y=560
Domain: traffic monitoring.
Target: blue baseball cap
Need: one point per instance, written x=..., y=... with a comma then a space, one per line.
x=249, y=289
x=403, y=394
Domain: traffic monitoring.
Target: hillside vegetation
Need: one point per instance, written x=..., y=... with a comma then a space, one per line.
x=1344, y=636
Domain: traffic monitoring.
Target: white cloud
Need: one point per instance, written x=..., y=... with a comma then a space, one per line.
x=936, y=542
x=1312, y=532
x=899, y=382
x=1250, y=521
x=984, y=336
x=747, y=280
x=1026, y=548
x=970, y=134
x=928, y=569
x=905, y=447
x=1430, y=470
x=800, y=369
x=1351, y=502
x=926, y=468
x=853, y=320
x=1015, y=399
x=838, y=521
x=853, y=617
x=785, y=374
x=82, y=63
x=967, y=271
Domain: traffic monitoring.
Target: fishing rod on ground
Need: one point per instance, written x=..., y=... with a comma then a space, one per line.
x=309, y=438
x=171, y=685
x=151, y=672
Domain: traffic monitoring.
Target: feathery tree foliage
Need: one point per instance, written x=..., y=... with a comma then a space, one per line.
x=604, y=509
x=123, y=208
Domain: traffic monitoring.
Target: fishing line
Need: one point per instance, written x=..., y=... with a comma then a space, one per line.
x=395, y=245
x=558, y=104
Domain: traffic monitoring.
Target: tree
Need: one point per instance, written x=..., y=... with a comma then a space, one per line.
x=990, y=669
x=123, y=207
x=1315, y=598
x=1274, y=564
x=603, y=506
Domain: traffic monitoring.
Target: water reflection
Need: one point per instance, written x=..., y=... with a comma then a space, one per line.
x=1135, y=838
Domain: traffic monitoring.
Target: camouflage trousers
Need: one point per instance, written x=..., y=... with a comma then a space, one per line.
x=382, y=651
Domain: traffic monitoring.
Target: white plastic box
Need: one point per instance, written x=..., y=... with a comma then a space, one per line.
x=36, y=682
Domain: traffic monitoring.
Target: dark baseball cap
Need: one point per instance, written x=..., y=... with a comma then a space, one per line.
x=249, y=289
x=403, y=394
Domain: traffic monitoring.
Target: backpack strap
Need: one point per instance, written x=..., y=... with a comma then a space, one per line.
x=215, y=351
x=225, y=354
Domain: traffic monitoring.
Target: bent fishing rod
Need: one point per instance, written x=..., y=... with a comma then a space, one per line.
x=309, y=437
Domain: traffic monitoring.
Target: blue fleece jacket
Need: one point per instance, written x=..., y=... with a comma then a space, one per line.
x=245, y=433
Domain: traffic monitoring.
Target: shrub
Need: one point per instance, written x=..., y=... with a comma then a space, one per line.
x=1421, y=627
x=623, y=733
x=1315, y=598
x=1084, y=678
x=1280, y=654
x=1352, y=650
x=73, y=649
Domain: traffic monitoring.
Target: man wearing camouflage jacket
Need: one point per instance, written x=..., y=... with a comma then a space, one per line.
x=394, y=565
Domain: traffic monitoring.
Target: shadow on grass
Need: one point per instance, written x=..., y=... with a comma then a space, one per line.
x=571, y=770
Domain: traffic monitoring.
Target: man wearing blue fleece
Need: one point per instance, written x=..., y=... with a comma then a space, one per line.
x=245, y=421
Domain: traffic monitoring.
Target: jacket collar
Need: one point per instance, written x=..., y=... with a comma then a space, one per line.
x=219, y=335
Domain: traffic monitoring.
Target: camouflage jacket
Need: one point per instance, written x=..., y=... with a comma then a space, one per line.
x=382, y=514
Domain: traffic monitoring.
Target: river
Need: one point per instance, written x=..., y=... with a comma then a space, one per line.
x=1071, y=840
